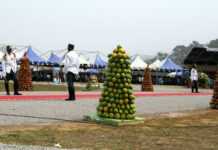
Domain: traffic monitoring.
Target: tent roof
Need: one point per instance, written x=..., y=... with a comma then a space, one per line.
x=93, y=71
x=1, y=55
x=156, y=64
x=34, y=57
x=138, y=63
x=168, y=64
x=54, y=59
x=99, y=61
x=83, y=61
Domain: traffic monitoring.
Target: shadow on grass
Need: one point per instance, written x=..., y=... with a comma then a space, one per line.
x=43, y=118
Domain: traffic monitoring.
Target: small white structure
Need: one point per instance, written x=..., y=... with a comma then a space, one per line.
x=20, y=53
x=155, y=65
x=138, y=64
x=83, y=61
x=1, y=55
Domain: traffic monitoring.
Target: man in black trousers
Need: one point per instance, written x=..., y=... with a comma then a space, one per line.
x=194, y=78
x=71, y=69
x=9, y=67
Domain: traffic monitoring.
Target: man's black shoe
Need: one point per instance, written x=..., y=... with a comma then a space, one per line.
x=69, y=99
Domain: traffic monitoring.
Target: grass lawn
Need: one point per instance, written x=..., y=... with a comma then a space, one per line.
x=195, y=130
x=46, y=87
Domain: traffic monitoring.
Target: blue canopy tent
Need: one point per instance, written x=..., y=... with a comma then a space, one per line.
x=54, y=59
x=92, y=71
x=34, y=58
x=99, y=62
x=169, y=65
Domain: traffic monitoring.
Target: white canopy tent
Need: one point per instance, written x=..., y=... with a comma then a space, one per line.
x=83, y=60
x=1, y=55
x=20, y=53
x=138, y=64
x=155, y=65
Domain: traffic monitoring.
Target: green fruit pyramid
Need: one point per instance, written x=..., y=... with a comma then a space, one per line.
x=117, y=100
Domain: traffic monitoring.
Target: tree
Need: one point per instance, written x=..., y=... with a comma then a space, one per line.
x=159, y=55
x=213, y=43
x=180, y=52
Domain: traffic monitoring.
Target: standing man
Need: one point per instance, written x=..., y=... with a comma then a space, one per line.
x=9, y=67
x=71, y=69
x=194, y=79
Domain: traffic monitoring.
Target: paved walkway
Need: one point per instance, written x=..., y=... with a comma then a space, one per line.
x=28, y=112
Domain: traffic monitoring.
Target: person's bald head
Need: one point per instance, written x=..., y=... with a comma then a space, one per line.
x=70, y=47
x=8, y=49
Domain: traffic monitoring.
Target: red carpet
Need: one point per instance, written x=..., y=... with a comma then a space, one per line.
x=96, y=95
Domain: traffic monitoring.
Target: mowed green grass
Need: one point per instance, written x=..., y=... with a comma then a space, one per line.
x=195, y=131
x=47, y=87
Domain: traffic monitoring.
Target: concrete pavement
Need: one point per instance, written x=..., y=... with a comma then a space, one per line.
x=29, y=112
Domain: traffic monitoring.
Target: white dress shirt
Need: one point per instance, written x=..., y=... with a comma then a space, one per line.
x=9, y=63
x=194, y=74
x=71, y=62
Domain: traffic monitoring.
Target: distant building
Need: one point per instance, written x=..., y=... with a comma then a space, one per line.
x=205, y=58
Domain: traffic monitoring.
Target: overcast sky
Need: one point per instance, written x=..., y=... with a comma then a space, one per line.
x=141, y=26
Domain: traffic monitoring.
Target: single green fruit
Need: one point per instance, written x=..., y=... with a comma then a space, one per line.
x=119, y=70
x=113, y=79
x=118, y=65
x=119, y=47
x=123, y=116
x=121, y=102
x=126, y=112
x=109, y=105
x=111, y=95
x=126, y=95
x=111, y=115
x=117, y=75
x=114, y=55
x=112, y=99
x=109, y=55
x=133, y=106
x=132, y=97
x=116, y=110
x=125, y=90
x=122, y=60
x=105, y=94
x=107, y=98
x=113, y=105
x=100, y=108
x=105, y=109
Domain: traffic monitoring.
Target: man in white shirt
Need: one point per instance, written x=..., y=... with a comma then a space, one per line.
x=71, y=69
x=9, y=67
x=194, y=79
